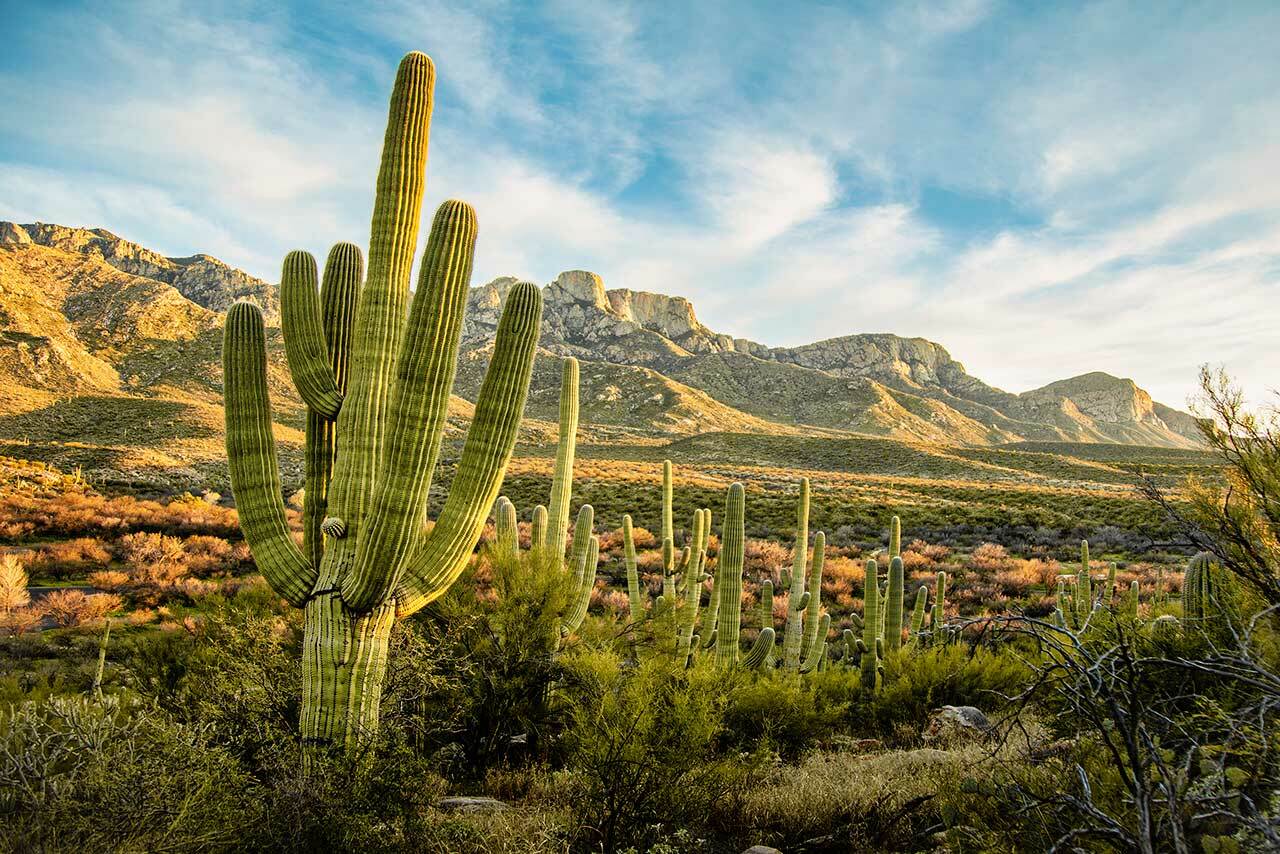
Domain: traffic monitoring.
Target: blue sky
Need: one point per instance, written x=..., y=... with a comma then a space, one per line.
x=1045, y=189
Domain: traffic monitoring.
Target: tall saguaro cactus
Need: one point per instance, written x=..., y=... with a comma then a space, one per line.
x=377, y=390
x=728, y=588
x=551, y=528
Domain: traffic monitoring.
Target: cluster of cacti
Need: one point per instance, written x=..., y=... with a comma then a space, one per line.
x=1075, y=605
x=805, y=641
x=675, y=613
x=377, y=389
x=883, y=610
x=549, y=529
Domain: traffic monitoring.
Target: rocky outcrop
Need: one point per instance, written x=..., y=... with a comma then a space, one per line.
x=203, y=279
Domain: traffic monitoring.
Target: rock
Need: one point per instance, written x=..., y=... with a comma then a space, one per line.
x=203, y=279
x=466, y=804
x=761, y=849
x=11, y=232
x=951, y=722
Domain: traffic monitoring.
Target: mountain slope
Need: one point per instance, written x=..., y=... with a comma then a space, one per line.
x=107, y=345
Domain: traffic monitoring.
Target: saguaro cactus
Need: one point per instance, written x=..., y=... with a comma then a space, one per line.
x=939, y=606
x=729, y=589
x=551, y=528
x=893, y=605
x=798, y=598
x=870, y=624
x=917, y=613
x=377, y=390
x=1084, y=587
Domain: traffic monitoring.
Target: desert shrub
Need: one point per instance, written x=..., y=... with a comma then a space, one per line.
x=206, y=555
x=72, y=557
x=765, y=558
x=860, y=802
x=13, y=584
x=989, y=557
x=642, y=745
x=21, y=620
x=80, y=775
x=933, y=551
x=919, y=680
x=74, y=608
x=782, y=714
x=110, y=580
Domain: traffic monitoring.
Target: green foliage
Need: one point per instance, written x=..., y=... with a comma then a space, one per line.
x=781, y=714
x=643, y=745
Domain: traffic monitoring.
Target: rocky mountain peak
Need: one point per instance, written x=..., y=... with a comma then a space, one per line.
x=577, y=287
x=201, y=278
x=1100, y=396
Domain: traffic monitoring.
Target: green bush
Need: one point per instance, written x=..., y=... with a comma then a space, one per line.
x=643, y=748
x=784, y=714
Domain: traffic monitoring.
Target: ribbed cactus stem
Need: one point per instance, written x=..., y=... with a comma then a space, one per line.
x=1111, y=583
x=1159, y=591
x=819, y=646
x=729, y=577
x=759, y=655
x=870, y=624
x=562, y=477
x=538, y=528
x=939, y=603
x=339, y=291
x=1084, y=589
x=668, y=522
x=766, y=604
x=306, y=347
x=793, y=639
x=813, y=607
x=1133, y=599
x=894, y=605
x=634, y=597
x=917, y=613
x=895, y=537
x=507, y=530
x=687, y=616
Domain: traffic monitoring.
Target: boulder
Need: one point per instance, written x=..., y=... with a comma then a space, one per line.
x=468, y=804
x=951, y=722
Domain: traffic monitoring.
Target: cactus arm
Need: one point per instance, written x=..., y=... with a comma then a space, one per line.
x=538, y=528
x=766, y=605
x=562, y=478
x=305, y=347
x=1133, y=599
x=757, y=658
x=418, y=408
x=794, y=636
x=634, y=597
x=895, y=537
x=251, y=454
x=668, y=526
x=380, y=316
x=729, y=578
x=339, y=291
x=893, y=605
x=813, y=607
x=917, y=613
x=814, y=658
x=870, y=624
x=688, y=616
x=584, y=579
x=939, y=602
x=447, y=548
x=507, y=529
x=1111, y=582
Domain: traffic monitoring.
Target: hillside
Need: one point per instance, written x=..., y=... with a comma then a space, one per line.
x=110, y=356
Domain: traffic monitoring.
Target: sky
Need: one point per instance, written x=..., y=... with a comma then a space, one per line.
x=1045, y=189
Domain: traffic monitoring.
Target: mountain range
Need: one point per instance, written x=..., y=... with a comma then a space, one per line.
x=109, y=354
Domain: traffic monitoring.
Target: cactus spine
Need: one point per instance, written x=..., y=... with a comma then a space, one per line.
x=377, y=390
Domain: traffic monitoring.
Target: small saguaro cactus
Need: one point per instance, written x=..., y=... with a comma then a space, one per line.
x=870, y=624
x=895, y=537
x=917, y=613
x=798, y=599
x=939, y=606
x=1132, y=602
x=377, y=390
x=1084, y=588
x=893, y=605
x=1209, y=595
x=729, y=589
x=550, y=528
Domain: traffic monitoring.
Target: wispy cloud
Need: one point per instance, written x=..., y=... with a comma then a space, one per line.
x=1106, y=170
